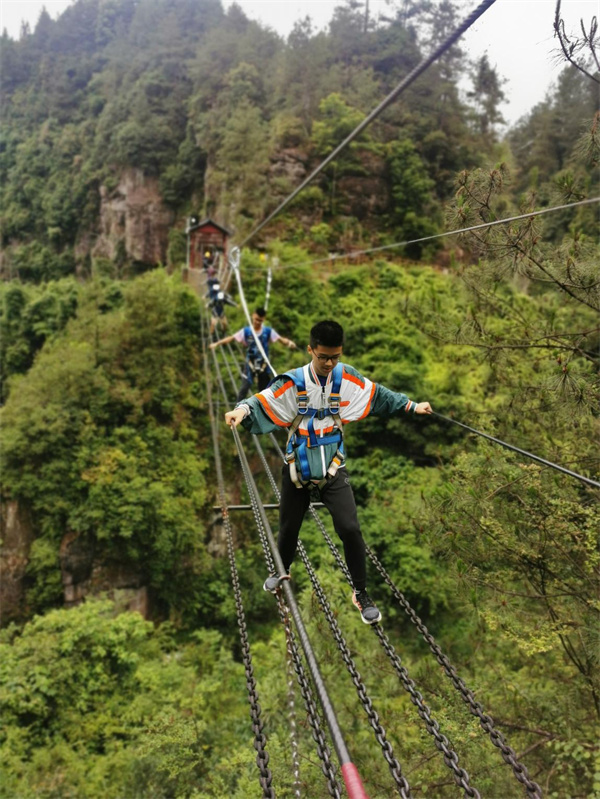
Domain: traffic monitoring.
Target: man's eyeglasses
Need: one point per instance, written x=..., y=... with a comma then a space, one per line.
x=325, y=358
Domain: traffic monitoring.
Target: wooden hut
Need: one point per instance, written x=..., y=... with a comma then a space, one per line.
x=207, y=244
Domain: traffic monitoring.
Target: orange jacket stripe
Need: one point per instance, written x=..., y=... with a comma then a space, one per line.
x=368, y=408
x=283, y=388
x=348, y=376
x=269, y=412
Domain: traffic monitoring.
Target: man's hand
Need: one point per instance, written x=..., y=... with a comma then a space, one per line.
x=291, y=345
x=212, y=346
x=423, y=407
x=233, y=418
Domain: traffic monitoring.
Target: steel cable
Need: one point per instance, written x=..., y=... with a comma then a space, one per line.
x=404, y=83
x=459, y=231
x=511, y=447
x=380, y=735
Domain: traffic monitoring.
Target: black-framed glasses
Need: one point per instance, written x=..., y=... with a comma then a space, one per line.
x=325, y=358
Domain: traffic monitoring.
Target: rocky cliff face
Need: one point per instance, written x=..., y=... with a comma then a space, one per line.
x=82, y=572
x=17, y=537
x=133, y=221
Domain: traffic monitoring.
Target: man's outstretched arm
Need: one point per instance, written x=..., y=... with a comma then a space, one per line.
x=226, y=340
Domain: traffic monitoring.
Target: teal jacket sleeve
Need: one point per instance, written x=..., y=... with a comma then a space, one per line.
x=257, y=421
x=391, y=403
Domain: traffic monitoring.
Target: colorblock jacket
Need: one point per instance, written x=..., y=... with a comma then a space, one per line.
x=277, y=407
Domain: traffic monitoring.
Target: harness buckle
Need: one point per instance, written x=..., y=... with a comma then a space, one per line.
x=302, y=399
x=334, y=402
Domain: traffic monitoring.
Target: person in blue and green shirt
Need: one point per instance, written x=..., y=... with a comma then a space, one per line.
x=314, y=402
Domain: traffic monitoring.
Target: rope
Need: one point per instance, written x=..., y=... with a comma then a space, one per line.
x=410, y=78
x=543, y=461
x=481, y=226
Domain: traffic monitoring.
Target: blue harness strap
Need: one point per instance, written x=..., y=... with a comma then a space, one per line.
x=297, y=445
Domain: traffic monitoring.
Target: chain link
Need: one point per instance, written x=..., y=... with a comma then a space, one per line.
x=394, y=765
x=450, y=757
x=260, y=742
x=292, y=711
x=323, y=750
x=487, y=723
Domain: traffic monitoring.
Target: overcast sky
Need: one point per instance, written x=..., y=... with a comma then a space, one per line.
x=516, y=34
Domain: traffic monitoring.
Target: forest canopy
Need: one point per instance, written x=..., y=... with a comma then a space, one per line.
x=122, y=671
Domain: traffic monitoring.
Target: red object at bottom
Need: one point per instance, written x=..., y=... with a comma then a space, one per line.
x=353, y=782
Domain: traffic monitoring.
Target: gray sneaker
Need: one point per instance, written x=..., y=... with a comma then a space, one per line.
x=369, y=612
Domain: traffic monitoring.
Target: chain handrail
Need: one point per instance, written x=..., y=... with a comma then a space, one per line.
x=260, y=742
x=380, y=735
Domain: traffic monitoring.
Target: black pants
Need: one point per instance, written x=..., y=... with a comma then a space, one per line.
x=338, y=498
x=263, y=379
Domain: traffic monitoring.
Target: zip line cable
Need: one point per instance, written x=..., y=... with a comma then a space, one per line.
x=511, y=447
x=410, y=78
x=483, y=225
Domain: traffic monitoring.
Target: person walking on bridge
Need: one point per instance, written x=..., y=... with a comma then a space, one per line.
x=255, y=363
x=313, y=403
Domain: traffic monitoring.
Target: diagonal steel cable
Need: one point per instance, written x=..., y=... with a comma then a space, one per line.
x=404, y=84
x=397, y=244
x=512, y=448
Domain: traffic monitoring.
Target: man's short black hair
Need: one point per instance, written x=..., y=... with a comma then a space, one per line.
x=260, y=312
x=327, y=334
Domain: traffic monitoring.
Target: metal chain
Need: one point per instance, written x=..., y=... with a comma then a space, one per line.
x=260, y=742
x=388, y=752
x=487, y=723
x=313, y=717
x=450, y=757
x=262, y=756
x=509, y=756
x=323, y=750
x=380, y=735
x=292, y=710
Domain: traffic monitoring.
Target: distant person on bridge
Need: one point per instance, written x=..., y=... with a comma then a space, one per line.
x=255, y=363
x=216, y=301
x=314, y=402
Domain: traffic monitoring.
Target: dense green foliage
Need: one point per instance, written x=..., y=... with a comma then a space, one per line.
x=105, y=432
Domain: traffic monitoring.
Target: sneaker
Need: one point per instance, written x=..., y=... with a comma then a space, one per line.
x=369, y=612
x=273, y=582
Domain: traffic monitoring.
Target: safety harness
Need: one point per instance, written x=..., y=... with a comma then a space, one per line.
x=254, y=360
x=297, y=444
